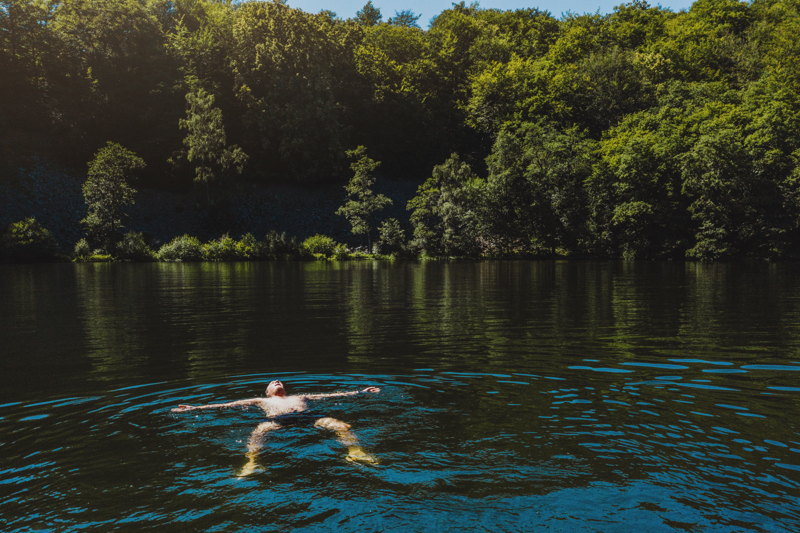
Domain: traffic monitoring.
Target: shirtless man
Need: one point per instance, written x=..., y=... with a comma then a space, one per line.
x=280, y=407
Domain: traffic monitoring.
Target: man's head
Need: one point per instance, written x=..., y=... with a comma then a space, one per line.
x=275, y=388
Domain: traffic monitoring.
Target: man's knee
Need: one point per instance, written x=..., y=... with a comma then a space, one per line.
x=262, y=428
x=332, y=424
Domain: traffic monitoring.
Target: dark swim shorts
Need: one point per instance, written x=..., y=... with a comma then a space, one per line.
x=295, y=419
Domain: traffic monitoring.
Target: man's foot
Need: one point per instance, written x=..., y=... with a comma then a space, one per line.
x=248, y=469
x=356, y=454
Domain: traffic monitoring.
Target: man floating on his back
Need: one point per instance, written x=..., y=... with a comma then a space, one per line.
x=283, y=410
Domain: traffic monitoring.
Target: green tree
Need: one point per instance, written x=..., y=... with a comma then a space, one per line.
x=391, y=237
x=536, y=199
x=206, y=141
x=446, y=210
x=637, y=24
x=113, y=77
x=199, y=35
x=107, y=194
x=362, y=203
x=295, y=73
x=638, y=207
x=369, y=15
x=405, y=18
x=27, y=241
x=26, y=43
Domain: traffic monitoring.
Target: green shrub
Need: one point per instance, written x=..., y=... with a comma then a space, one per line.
x=249, y=248
x=391, y=238
x=278, y=246
x=82, y=249
x=27, y=241
x=341, y=253
x=99, y=258
x=320, y=244
x=184, y=248
x=133, y=247
x=223, y=249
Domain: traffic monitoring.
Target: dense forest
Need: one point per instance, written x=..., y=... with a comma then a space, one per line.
x=642, y=133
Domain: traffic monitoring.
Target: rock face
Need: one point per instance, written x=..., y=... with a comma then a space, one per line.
x=52, y=197
x=55, y=199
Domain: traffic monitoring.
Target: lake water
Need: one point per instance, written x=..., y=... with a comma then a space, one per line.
x=566, y=396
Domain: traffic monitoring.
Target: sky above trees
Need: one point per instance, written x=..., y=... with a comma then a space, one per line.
x=431, y=8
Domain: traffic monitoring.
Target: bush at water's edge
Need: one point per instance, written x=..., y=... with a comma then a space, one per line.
x=27, y=241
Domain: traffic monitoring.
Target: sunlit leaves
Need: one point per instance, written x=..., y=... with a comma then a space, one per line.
x=445, y=212
x=206, y=141
x=107, y=194
x=362, y=203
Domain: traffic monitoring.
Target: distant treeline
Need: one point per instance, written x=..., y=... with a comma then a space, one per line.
x=641, y=134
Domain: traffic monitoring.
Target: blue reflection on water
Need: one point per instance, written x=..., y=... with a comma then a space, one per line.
x=612, y=451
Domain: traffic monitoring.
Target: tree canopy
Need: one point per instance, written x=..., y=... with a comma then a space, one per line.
x=640, y=133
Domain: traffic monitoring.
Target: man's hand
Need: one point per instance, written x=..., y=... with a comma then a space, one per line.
x=182, y=408
x=371, y=389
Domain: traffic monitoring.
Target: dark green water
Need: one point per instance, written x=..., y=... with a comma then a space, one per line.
x=516, y=396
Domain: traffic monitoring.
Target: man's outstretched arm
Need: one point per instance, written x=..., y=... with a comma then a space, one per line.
x=338, y=394
x=240, y=403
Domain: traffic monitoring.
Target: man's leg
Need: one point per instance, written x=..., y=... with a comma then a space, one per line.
x=346, y=437
x=255, y=444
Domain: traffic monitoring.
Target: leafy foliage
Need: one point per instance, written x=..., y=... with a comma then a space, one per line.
x=362, y=204
x=82, y=249
x=320, y=244
x=642, y=133
x=222, y=249
x=206, y=141
x=27, y=241
x=182, y=249
x=132, y=247
x=107, y=194
x=391, y=238
x=445, y=212
x=405, y=18
x=279, y=246
x=369, y=15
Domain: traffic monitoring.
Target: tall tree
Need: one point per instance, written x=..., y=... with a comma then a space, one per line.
x=362, y=203
x=405, y=18
x=107, y=194
x=446, y=210
x=206, y=141
x=369, y=15
x=295, y=75
x=114, y=77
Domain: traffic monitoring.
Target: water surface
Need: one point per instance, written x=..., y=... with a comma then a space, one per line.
x=591, y=396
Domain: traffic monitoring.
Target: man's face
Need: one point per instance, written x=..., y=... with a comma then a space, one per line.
x=275, y=388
